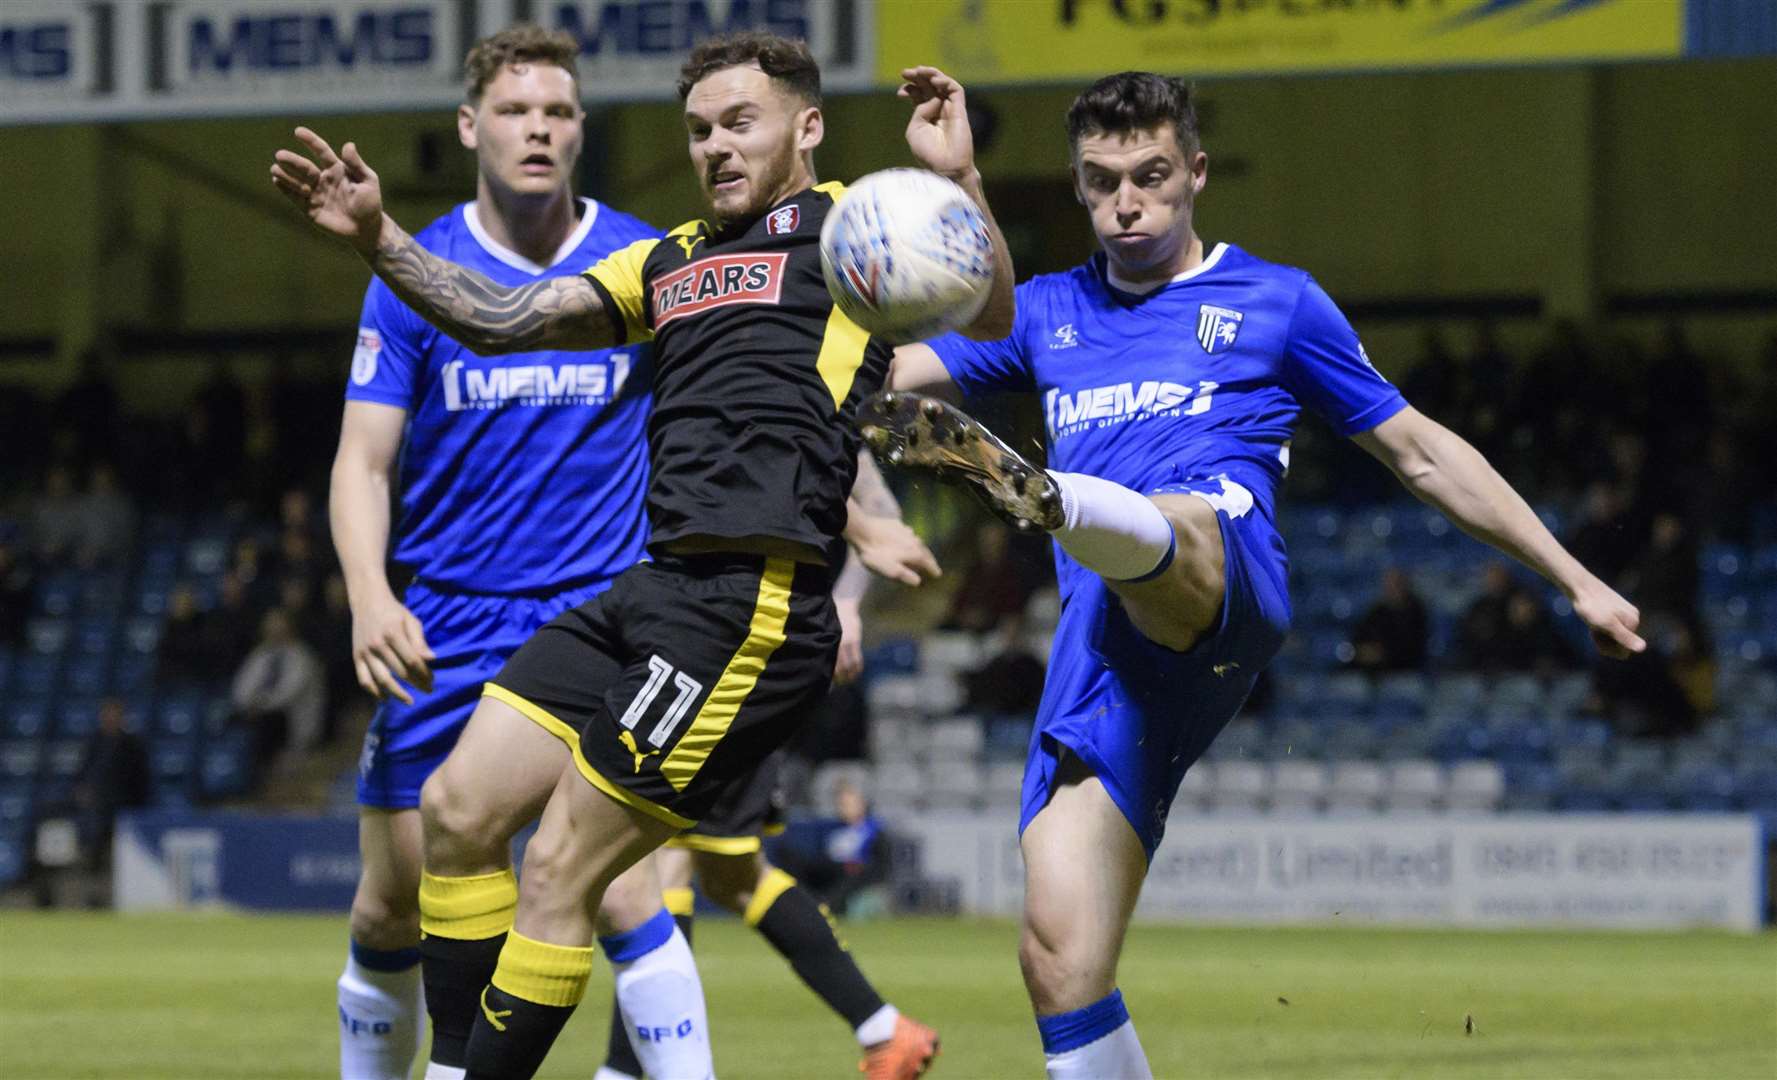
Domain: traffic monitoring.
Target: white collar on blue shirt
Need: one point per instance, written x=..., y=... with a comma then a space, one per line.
x=1146, y=287
x=589, y=212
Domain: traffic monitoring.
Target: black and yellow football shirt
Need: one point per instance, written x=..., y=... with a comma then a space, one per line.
x=757, y=376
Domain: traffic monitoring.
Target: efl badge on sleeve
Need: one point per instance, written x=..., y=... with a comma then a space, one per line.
x=1217, y=327
x=783, y=220
x=370, y=345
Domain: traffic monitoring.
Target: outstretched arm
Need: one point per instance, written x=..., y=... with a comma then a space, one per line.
x=1442, y=469
x=342, y=196
x=940, y=137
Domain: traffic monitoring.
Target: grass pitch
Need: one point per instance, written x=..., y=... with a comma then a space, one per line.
x=185, y=997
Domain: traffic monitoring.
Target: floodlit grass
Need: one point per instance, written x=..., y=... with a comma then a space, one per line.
x=252, y=996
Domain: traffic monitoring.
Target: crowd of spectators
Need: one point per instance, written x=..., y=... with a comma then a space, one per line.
x=1648, y=457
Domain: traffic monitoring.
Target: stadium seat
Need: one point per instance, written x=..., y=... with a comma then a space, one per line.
x=133, y=673
x=960, y=738
x=13, y=861
x=179, y=717
x=77, y=719
x=46, y=636
x=1531, y=786
x=1197, y=789
x=1297, y=739
x=227, y=770
x=1043, y=610
x=895, y=737
x=1356, y=787
x=894, y=695
x=954, y=784
x=1003, y=783
x=1637, y=766
x=1476, y=787
x=25, y=720
x=86, y=675
x=896, y=656
x=1008, y=737
x=1240, y=786
x=206, y=556
x=19, y=760
x=1242, y=739
x=897, y=785
x=35, y=676
x=1521, y=694
x=1415, y=786
x=15, y=808
x=940, y=694
x=951, y=652
x=58, y=594
x=1297, y=787
x=1457, y=695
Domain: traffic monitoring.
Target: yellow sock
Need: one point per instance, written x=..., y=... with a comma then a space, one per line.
x=468, y=908
x=539, y=972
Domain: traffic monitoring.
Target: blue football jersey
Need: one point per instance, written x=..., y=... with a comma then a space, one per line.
x=1202, y=377
x=521, y=473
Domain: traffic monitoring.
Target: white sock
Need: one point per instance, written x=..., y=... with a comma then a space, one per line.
x=435, y=1071
x=1110, y=530
x=607, y=1073
x=381, y=1015
x=661, y=999
x=1117, y=1056
x=880, y=1027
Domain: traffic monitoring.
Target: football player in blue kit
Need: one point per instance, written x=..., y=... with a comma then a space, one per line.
x=1171, y=374
x=520, y=484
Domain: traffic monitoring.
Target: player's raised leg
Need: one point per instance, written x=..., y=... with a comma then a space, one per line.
x=494, y=783
x=585, y=840
x=379, y=992
x=1161, y=555
x=1074, y=922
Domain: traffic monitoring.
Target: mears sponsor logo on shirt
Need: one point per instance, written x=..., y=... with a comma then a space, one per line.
x=533, y=384
x=717, y=281
x=1103, y=406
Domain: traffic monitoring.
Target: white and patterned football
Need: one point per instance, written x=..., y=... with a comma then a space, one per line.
x=907, y=255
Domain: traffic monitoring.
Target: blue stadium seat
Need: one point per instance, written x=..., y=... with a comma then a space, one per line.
x=1643, y=802
x=141, y=636
x=77, y=719
x=86, y=676
x=133, y=674
x=1530, y=785
x=100, y=594
x=13, y=862
x=1457, y=695
x=19, y=760
x=227, y=769
x=206, y=555
x=1464, y=742
x=95, y=635
x=179, y=717
x=1522, y=743
x=25, y=720
x=58, y=594
x=7, y=662
x=897, y=656
x=35, y=676
x=48, y=636
x=151, y=596
x=15, y=808
x=170, y=761
x=1583, y=801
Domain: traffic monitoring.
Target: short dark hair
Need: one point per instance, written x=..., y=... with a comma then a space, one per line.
x=1134, y=101
x=786, y=60
x=522, y=43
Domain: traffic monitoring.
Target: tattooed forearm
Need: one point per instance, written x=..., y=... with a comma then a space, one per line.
x=560, y=312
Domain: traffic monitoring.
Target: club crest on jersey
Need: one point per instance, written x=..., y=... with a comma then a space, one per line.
x=1217, y=328
x=783, y=220
x=1066, y=337
x=717, y=281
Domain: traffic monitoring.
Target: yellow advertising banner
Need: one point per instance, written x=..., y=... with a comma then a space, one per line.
x=1067, y=40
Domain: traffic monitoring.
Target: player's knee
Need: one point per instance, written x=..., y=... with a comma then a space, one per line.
x=1061, y=972
x=385, y=918
x=454, y=825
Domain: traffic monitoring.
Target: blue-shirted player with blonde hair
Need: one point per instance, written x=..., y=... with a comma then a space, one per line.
x=1171, y=374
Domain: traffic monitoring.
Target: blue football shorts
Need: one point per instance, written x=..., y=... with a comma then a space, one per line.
x=473, y=634
x=1139, y=714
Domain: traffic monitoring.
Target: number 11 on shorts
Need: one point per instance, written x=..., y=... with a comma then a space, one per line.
x=688, y=690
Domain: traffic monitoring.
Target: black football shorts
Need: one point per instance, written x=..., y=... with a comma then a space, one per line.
x=748, y=810
x=682, y=678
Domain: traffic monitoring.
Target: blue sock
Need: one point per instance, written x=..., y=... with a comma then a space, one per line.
x=644, y=939
x=1071, y=1030
x=385, y=959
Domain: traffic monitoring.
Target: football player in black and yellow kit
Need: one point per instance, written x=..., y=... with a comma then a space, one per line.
x=692, y=668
